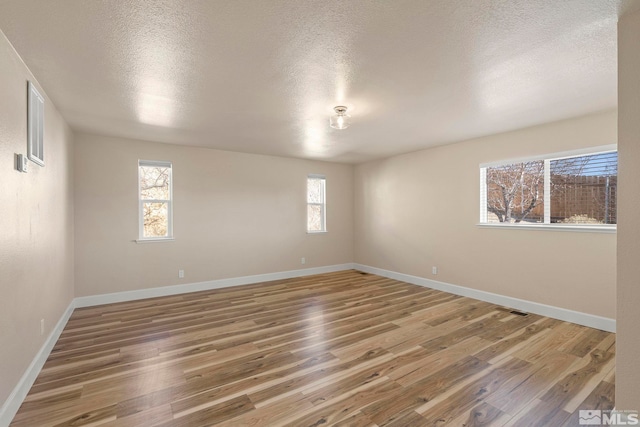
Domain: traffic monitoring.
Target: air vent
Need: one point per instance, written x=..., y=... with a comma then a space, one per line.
x=518, y=313
x=512, y=311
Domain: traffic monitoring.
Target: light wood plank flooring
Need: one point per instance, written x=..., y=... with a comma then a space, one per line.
x=344, y=349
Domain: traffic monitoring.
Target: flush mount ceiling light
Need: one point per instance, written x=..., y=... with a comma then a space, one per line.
x=340, y=120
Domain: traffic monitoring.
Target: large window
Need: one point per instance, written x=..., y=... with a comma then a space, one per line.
x=563, y=190
x=316, y=204
x=155, y=195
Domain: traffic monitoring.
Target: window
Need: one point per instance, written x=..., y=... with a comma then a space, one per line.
x=563, y=190
x=316, y=204
x=155, y=185
x=35, y=129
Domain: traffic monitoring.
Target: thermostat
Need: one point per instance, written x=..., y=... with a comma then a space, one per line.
x=21, y=163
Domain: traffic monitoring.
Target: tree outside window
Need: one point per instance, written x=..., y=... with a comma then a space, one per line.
x=155, y=199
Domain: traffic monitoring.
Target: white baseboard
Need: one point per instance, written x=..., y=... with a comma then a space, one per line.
x=12, y=404
x=17, y=396
x=593, y=321
x=15, y=399
x=89, y=301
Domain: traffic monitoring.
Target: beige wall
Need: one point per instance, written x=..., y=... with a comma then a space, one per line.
x=420, y=210
x=628, y=337
x=242, y=214
x=36, y=223
x=234, y=215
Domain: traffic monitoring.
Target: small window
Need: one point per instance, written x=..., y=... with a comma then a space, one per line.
x=563, y=190
x=155, y=193
x=316, y=204
x=35, y=130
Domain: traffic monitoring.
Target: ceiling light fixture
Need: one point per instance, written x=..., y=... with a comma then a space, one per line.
x=340, y=120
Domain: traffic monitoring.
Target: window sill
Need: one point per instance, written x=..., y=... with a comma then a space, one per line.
x=607, y=229
x=317, y=232
x=159, y=240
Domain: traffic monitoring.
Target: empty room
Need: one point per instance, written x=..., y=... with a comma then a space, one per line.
x=305, y=213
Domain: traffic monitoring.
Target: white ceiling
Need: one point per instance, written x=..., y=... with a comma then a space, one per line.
x=264, y=76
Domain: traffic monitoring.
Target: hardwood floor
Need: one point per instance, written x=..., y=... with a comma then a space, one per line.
x=344, y=349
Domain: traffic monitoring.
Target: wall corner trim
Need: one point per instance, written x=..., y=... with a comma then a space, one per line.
x=590, y=320
x=17, y=396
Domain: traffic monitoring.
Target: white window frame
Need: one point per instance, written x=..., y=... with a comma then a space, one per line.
x=35, y=128
x=547, y=225
x=141, y=202
x=323, y=205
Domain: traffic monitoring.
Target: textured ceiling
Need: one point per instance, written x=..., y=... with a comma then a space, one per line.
x=264, y=76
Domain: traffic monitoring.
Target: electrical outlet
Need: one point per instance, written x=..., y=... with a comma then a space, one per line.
x=41, y=326
x=303, y=261
x=434, y=270
x=181, y=274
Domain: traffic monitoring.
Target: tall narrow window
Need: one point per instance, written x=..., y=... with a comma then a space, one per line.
x=35, y=130
x=316, y=204
x=155, y=185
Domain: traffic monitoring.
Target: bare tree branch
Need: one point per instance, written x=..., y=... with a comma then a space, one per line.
x=514, y=190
